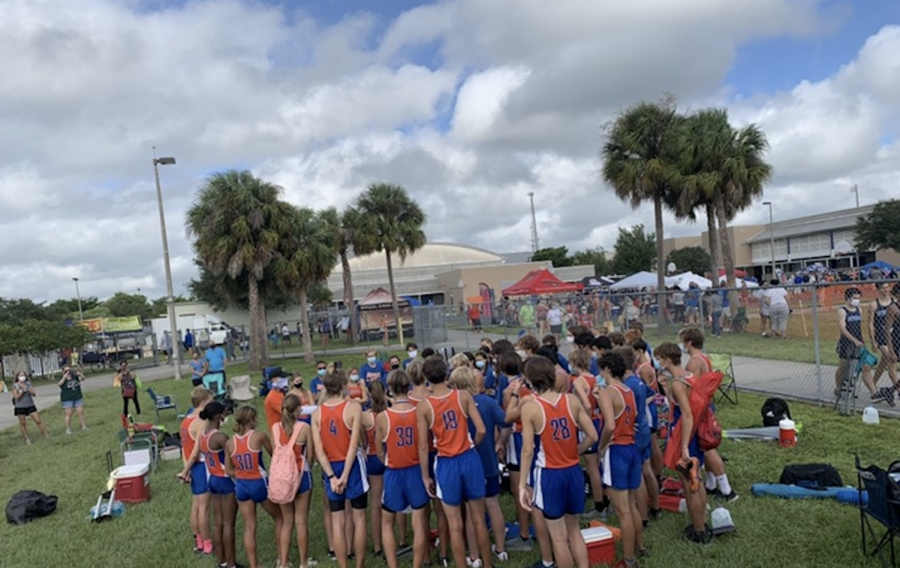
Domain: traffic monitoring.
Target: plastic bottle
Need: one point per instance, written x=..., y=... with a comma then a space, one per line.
x=870, y=415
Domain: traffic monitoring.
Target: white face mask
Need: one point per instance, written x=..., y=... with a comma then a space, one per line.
x=354, y=378
x=371, y=360
x=413, y=354
x=22, y=378
x=479, y=364
x=520, y=353
x=854, y=302
x=570, y=339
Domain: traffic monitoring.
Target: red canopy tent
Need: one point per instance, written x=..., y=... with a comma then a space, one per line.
x=737, y=272
x=541, y=282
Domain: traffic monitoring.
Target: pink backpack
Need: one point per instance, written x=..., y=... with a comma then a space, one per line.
x=284, y=477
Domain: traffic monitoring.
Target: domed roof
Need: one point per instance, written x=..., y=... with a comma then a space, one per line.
x=430, y=255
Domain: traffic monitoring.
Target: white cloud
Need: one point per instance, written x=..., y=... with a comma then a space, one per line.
x=513, y=103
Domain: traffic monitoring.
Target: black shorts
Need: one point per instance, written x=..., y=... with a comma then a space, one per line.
x=556, y=328
x=360, y=502
x=28, y=411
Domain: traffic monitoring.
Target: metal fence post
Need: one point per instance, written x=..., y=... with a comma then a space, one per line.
x=816, y=342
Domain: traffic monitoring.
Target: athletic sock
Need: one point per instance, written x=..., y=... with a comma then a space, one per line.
x=724, y=486
x=207, y=547
x=548, y=564
x=198, y=542
x=710, y=481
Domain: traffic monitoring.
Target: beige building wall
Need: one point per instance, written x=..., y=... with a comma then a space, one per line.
x=891, y=257
x=738, y=236
x=675, y=243
x=462, y=283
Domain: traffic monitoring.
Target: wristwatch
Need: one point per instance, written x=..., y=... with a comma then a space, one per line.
x=331, y=476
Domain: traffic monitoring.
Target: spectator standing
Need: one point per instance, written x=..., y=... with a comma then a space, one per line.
x=715, y=302
x=325, y=331
x=189, y=342
x=554, y=320
x=678, y=304
x=526, y=317
x=128, y=384
x=776, y=300
x=285, y=334
x=167, y=346
x=23, y=404
x=229, y=345
x=70, y=396
x=215, y=360
x=196, y=366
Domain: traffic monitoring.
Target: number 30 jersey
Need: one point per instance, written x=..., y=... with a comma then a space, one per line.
x=401, y=442
x=450, y=425
x=557, y=441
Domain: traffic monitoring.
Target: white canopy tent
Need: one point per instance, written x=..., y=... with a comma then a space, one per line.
x=740, y=282
x=684, y=281
x=638, y=281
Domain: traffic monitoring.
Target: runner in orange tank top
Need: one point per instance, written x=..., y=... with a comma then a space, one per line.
x=551, y=422
x=337, y=430
x=374, y=466
x=396, y=443
x=716, y=482
x=458, y=472
x=583, y=386
x=622, y=464
x=191, y=430
x=245, y=464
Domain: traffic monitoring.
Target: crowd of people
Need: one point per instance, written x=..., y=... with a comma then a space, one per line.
x=404, y=445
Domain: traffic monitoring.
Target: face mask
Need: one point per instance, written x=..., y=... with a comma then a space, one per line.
x=520, y=353
x=682, y=347
x=413, y=354
x=479, y=364
x=594, y=355
x=321, y=372
x=570, y=339
x=601, y=382
x=22, y=378
x=854, y=302
x=298, y=385
x=371, y=360
x=395, y=366
x=354, y=378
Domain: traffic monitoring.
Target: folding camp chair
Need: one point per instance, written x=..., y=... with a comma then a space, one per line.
x=883, y=506
x=722, y=362
x=241, y=389
x=162, y=402
x=215, y=382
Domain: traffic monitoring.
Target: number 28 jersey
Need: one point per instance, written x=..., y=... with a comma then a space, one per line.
x=450, y=425
x=557, y=442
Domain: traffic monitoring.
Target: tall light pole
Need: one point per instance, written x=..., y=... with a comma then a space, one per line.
x=771, y=235
x=78, y=295
x=173, y=330
x=855, y=189
x=534, y=233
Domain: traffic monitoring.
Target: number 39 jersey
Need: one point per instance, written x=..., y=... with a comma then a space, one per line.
x=402, y=438
x=450, y=425
x=557, y=441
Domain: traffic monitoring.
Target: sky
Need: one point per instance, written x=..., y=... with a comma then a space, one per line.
x=469, y=104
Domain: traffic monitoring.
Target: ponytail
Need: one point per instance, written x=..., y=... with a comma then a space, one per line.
x=288, y=410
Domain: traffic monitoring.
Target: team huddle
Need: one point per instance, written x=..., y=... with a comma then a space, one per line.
x=432, y=435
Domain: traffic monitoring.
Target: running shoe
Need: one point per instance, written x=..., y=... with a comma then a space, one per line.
x=500, y=556
x=516, y=544
x=726, y=498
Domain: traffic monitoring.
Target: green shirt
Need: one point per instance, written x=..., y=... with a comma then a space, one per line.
x=70, y=389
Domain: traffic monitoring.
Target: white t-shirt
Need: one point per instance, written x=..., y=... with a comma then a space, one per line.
x=554, y=316
x=777, y=296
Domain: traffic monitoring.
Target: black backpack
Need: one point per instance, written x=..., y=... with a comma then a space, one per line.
x=25, y=506
x=774, y=410
x=811, y=476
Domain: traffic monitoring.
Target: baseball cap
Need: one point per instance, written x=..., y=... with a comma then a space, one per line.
x=280, y=383
x=721, y=521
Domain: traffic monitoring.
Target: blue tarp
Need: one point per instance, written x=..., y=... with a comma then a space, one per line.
x=412, y=301
x=877, y=264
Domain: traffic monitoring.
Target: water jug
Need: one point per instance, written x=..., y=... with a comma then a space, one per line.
x=870, y=415
x=787, y=433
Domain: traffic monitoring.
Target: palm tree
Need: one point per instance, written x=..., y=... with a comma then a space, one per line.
x=344, y=228
x=641, y=162
x=306, y=258
x=234, y=223
x=392, y=222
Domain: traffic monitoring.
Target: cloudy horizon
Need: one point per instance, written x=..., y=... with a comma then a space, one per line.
x=469, y=104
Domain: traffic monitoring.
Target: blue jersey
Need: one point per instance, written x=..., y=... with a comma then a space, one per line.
x=563, y=362
x=642, y=425
x=369, y=373
x=492, y=416
x=502, y=383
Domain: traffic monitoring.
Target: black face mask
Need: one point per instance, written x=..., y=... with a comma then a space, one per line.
x=298, y=385
x=395, y=366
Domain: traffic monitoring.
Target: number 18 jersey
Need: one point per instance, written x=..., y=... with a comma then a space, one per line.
x=450, y=425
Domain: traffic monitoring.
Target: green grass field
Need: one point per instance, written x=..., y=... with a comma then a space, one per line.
x=770, y=532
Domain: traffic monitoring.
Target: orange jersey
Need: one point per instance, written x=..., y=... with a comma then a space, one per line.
x=334, y=431
x=402, y=438
x=450, y=425
x=523, y=392
x=623, y=435
x=299, y=449
x=370, y=438
x=706, y=361
x=215, y=459
x=654, y=385
x=591, y=381
x=415, y=402
x=188, y=443
x=558, y=438
x=354, y=391
x=247, y=462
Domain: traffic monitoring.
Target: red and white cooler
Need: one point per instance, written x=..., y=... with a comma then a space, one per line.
x=132, y=483
x=601, y=546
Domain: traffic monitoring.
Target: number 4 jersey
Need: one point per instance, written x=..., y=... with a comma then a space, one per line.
x=557, y=441
x=450, y=425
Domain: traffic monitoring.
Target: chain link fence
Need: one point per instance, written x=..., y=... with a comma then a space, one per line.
x=782, y=340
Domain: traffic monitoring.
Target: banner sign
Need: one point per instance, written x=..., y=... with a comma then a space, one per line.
x=113, y=325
